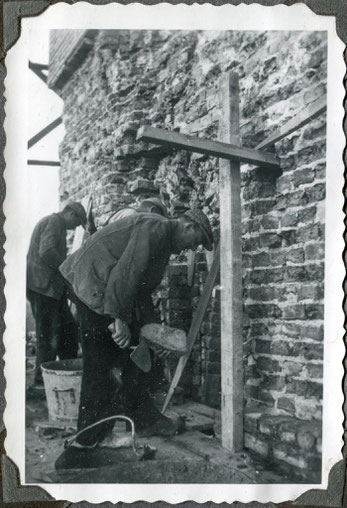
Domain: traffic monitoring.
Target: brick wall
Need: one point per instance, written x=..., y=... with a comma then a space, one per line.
x=170, y=80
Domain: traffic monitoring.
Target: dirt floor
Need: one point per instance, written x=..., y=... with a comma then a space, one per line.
x=195, y=456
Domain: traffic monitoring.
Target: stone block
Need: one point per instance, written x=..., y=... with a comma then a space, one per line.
x=315, y=370
x=303, y=176
x=256, y=445
x=262, y=346
x=286, y=403
x=280, y=347
x=294, y=312
x=314, y=311
x=310, y=292
x=266, y=364
x=296, y=256
x=310, y=232
x=262, y=294
x=306, y=439
x=141, y=185
x=283, y=453
x=263, y=310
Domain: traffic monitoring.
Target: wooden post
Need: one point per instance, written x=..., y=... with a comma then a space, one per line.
x=231, y=271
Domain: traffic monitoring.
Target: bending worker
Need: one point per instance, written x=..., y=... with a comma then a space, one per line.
x=112, y=276
x=56, y=330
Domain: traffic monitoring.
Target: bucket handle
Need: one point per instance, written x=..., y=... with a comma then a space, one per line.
x=71, y=390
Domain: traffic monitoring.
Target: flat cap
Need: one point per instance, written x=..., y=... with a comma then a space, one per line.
x=196, y=215
x=78, y=210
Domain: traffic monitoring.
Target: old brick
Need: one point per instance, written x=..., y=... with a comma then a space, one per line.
x=291, y=330
x=314, y=311
x=260, y=259
x=297, y=386
x=314, y=390
x=251, y=422
x=263, y=310
x=271, y=240
x=307, y=233
x=284, y=454
x=276, y=383
x=262, y=346
x=311, y=292
x=286, y=404
x=258, y=329
x=289, y=218
x=263, y=294
x=315, y=193
x=294, y=312
x=301, y=176
x=292, y=368
x=268, y=365
x=289, y=237
x=262, y=276
x=177, y=269
x=315, y=370
x=270, y=222
x=314, y=251
x=280, y=347
x=296, y=256
x=256, y=445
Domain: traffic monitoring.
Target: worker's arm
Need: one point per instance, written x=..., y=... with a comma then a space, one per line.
x=49, y=244
x=125, y=280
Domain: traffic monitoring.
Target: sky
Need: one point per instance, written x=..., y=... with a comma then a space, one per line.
x=44, y=107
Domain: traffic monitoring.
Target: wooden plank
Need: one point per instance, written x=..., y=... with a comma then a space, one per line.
x=202, y=409
x=302, y=118
x=231, y=272
x=195, y=325
x=208, y=147
x=33, y=162
x=37, y=69
x=193, y=420
x=35, y=139
x=191, y=267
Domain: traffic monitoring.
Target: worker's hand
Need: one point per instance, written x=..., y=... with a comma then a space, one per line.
x=120, y=333
x=160, y=352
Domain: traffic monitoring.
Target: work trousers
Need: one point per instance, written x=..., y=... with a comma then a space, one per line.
x=56, y=330
x=111, y=382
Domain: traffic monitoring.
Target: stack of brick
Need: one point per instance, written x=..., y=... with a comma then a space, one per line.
x=287, y=444
x=171, y=80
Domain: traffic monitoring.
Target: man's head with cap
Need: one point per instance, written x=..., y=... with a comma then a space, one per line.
x=74, y=215
x=153, y=205
x=193, y=229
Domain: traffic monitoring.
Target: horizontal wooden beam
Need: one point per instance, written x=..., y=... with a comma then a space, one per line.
x=313, y=111
x=32, y=162
x=38, y=70
x=35, y=139
x=208, y=147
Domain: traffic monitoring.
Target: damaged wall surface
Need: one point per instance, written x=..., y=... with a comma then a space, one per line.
x=113, y=82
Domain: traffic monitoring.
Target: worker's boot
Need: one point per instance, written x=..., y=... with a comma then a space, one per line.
x=162, y=426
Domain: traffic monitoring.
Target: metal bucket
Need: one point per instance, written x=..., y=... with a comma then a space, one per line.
x=62, y=381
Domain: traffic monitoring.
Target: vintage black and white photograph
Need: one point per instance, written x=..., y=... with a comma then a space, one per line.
x=175, y=257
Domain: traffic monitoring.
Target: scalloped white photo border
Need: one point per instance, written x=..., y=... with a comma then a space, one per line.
x=166, y=16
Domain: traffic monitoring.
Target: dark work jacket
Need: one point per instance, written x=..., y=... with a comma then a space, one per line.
x=120, y=265
x=47, y=251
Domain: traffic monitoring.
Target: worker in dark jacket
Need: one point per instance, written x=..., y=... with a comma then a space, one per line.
x=56, y=330
x=112, y=276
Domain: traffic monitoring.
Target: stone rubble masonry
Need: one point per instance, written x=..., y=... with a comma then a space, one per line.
x=124, y=80
x=289, y=444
